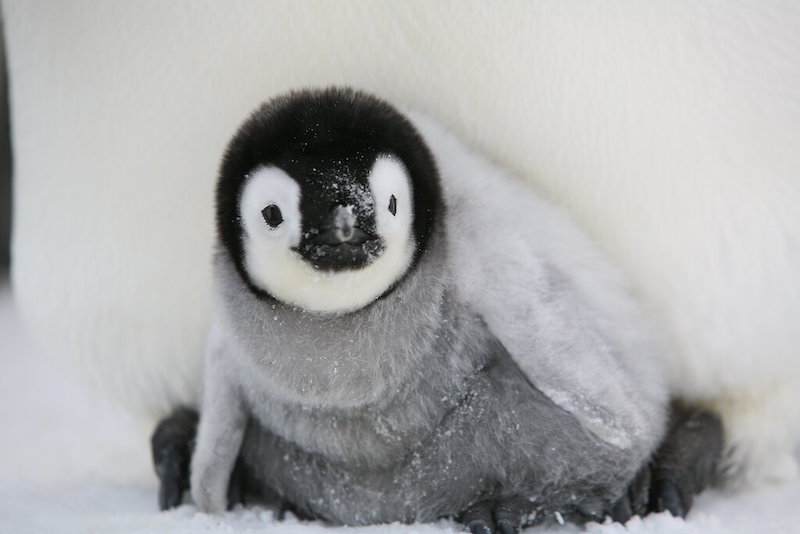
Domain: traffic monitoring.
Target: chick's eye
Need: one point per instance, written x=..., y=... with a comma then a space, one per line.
x=272, y=215
x=393, y=205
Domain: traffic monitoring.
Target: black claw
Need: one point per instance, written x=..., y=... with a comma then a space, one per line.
x=170, y=493
x=501, y=517
x=171, y=446
x=507, y=527
x=639, y=491
x=508, y=515
x=621, y=512
x=667, y=497
x=282, y=508
x=683, y=466
x=236, y=490
x=480, y=526
x=635, y=499
x=478, y=519
x=686, y=463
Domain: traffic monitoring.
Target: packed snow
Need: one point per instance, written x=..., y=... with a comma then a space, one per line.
x=71, y=463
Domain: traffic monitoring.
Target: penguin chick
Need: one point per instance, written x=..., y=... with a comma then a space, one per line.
x=402, y=332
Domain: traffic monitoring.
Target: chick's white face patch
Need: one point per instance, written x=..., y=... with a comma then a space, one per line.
x=394, y=208
x=273, y=264
x=271, y=188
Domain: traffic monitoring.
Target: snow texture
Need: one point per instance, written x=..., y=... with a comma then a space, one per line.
x=70, y=463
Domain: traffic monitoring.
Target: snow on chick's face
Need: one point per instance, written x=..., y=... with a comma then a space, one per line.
x=332, y=241
x=326, y=199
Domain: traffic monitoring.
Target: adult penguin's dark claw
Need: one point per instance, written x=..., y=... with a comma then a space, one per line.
x=172, y=444
x=667, y=498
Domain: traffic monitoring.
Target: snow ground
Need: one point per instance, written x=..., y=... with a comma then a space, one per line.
x=71, y=464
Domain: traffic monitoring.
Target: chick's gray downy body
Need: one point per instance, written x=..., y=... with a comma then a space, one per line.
x=438, y=339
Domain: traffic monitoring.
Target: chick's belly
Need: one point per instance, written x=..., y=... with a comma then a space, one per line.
x=423, y=486
x=504, y=439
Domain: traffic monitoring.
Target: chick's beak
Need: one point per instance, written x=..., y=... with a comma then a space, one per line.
x=342, y=245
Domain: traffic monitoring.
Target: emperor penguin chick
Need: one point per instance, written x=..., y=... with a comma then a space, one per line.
x=402, y=332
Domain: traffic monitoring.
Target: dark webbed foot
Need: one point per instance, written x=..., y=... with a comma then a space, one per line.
x=667, y=497
x=635, y=500
x=684, y=465
x=172, y=444
x=501, y=516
